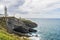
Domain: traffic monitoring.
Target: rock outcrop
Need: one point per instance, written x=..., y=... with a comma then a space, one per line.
x=29, y=23
x=19, y=26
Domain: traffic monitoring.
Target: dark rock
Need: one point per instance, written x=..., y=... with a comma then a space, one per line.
x=32, y=30
x=14, y=24
x=21, y=29
x=30, y=24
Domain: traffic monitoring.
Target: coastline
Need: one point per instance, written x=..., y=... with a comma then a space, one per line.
x=5, y=35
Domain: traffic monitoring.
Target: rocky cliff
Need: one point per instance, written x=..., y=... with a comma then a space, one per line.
x=4, y=35
x=18, y=26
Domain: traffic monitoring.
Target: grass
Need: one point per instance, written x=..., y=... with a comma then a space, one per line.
x=4, y=35
x=29, y=23
x=25, y=20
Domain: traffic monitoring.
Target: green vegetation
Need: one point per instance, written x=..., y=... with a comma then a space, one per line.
x=25, y=20
x=29, y=23
x=4, y=35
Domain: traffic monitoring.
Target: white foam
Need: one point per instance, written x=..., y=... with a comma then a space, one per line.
x=34, y=38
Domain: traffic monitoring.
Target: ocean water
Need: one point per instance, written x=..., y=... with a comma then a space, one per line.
x=48, y=29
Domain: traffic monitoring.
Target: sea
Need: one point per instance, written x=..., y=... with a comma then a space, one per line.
x=47, y=29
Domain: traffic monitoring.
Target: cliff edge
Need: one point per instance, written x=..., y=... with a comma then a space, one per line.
x=17, y=27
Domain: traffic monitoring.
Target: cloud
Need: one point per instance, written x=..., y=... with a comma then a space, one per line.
x=12, y=5
x=1, y=9
x=32, y=8
x=38, y=5
x=43, y=8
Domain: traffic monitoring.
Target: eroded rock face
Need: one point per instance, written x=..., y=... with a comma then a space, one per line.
x=24, y=30
x=31, y=25
x=21, y=26
x=21, y=29
x=32, y=30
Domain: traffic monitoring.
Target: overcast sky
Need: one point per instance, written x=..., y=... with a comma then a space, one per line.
x=32, y=8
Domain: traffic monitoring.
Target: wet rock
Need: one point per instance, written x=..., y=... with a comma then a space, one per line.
x=32, y=30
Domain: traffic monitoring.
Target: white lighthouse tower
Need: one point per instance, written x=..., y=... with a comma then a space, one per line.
x=5, y=9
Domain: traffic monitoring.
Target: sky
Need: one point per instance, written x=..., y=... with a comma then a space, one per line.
x=31, y=8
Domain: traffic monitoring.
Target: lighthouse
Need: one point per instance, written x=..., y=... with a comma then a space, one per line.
x=9, y=29
x=5, y=9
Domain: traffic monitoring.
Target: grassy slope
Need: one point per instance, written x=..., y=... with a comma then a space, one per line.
x=4, y=35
